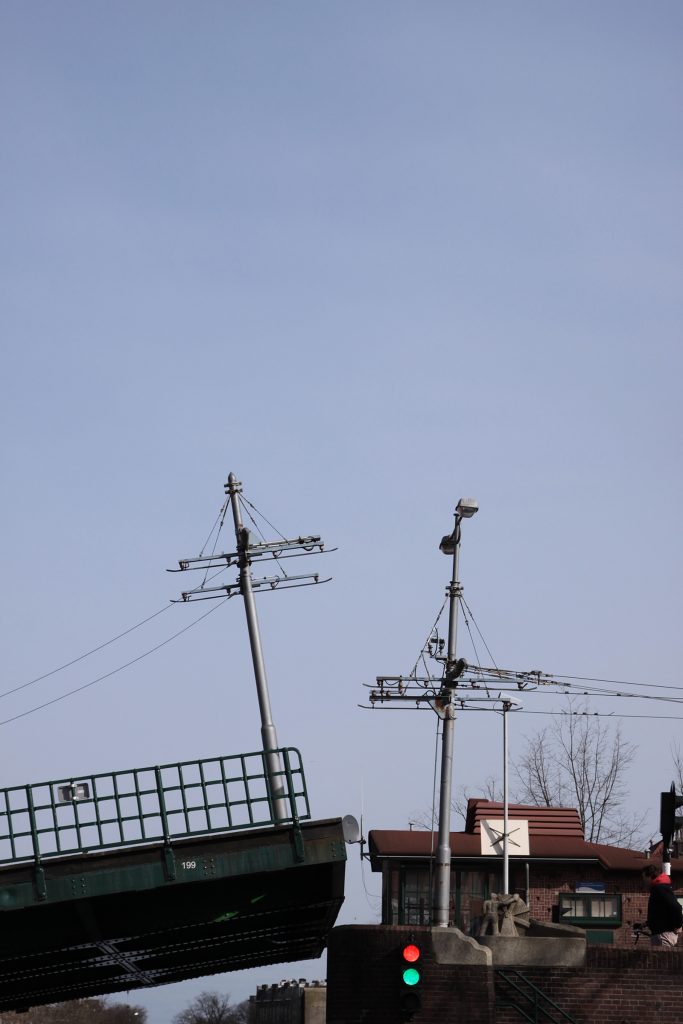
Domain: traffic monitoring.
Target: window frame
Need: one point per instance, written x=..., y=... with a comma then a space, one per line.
x=565, y=899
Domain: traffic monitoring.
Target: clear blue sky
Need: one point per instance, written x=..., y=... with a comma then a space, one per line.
x=371, y=257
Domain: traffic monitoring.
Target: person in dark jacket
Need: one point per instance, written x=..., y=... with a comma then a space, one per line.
x=664, y=912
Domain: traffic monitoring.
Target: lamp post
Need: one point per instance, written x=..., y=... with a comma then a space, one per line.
x=450, y=545
x=508, y=703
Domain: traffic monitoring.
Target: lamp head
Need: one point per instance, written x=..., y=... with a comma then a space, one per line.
x=467, y=507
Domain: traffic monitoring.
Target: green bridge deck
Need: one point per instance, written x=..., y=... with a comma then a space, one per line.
x=193, y=886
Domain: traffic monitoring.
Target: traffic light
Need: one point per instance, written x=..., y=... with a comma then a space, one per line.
x=411, y=979
x=669, y=821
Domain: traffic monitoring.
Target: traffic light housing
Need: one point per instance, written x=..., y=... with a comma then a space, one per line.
x=410, y=979
x=669, y=821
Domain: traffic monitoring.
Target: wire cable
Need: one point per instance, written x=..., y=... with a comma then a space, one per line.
x=429, y=635
x=596, y=691
x=474, y=646
x=221, y=515
x=476, y=626
x=74, y=661
x=260, y=532
x=618, y=682
x=581, y=714
x=251, y=505
x=107, y=675
x=209, y=579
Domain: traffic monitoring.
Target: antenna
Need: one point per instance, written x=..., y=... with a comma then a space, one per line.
x=246, y=553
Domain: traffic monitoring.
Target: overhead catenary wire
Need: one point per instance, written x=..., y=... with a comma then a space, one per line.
x=81, y=657
x=546, y=692
x=548, y=678
x=113, y=672
x=619, y=682
x=595, y=714
x=207, y=579
x=524, y=711
x=595, y=691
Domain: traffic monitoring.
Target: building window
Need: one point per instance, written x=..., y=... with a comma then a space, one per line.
x=473, y=887
x=409, y=895
x=416, y=897
x=584, y=909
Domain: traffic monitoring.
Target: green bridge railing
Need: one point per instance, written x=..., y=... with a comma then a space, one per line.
x=146, y=805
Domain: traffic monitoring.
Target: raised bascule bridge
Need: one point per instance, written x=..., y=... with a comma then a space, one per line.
x=153, y=875
x=110, y=883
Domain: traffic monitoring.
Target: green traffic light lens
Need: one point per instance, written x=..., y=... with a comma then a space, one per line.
x=411, y=976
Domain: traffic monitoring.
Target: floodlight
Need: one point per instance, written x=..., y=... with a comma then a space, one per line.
x=466, y=507
x=447, y=544
x=76, y=791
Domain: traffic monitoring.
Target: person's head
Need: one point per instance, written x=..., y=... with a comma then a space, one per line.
x=650, y=872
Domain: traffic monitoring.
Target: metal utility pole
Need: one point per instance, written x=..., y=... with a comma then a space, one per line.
x=246, y=553
x=440, y=694
x=509, y=703
x=465, y=509
x=268, y=732
x=506, y=830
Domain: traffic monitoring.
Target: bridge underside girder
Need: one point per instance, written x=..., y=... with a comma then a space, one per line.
x=145, y=916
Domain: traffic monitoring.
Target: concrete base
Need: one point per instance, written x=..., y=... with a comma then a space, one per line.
x=451, y=946
x=542, y=945
x=525, y=952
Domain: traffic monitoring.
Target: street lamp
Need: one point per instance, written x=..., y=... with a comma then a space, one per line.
x=450, y=545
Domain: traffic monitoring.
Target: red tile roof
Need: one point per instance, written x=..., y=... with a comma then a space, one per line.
x=555, y=833
x=543, y=821
x=401, y=845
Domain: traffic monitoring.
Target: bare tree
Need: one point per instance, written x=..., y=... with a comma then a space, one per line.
x=212, y=1008
x=580, y=762
x=489, y=789
x=81, y=1011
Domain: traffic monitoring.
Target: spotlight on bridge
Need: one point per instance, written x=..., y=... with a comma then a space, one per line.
x=73, y=792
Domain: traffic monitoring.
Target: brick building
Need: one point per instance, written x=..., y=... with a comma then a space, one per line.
x=563, y=878
x=290, y=1002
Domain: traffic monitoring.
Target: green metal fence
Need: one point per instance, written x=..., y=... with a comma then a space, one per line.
x=146, y=805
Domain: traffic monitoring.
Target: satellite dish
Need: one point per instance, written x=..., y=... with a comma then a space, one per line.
x=351, y=829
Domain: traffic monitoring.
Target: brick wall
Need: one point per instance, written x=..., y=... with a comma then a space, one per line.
x=617, y=986
x=363, y=980
x=547, y=882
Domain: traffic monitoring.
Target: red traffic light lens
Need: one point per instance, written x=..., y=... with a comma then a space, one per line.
x=411, y=953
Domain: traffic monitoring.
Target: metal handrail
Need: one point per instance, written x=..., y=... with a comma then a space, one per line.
x=537, y=998
x=147, y=805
